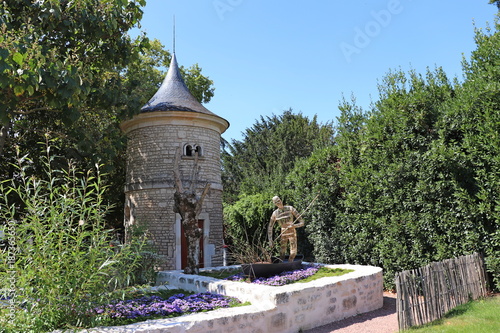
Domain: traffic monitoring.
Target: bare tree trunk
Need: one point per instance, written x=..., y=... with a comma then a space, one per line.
x=189, y=206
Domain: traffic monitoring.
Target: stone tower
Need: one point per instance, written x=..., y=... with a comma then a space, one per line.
x=173, y=119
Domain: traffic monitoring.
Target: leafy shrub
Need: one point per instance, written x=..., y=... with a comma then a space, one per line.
x=58, y=262
x=246, y=224
x=148, y=260
x=314, y=187
x=413, y=180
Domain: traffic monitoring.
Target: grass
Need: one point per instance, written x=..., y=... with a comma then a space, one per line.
x=326, y=272
x=482, y=316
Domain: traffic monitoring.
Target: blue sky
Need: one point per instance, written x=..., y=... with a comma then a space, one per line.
x=266, y=56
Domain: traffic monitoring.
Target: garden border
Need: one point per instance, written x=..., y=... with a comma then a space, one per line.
x=285, y=309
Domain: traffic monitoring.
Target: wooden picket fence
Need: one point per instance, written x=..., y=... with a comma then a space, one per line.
x=427, y=293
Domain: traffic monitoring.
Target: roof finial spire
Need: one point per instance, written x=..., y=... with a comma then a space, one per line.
x=174, y=36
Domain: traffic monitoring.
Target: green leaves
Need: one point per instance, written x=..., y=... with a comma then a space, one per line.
x=18, y=58
x=54, y=53
x=59, y=248
x=269, y=151
x=414, y=180
x=419, y=172
x=18, y=90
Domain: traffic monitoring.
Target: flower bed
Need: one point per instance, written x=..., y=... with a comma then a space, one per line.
x=285, y=309
x=307, y=273
x=280, y=279
x=156, y=306
x=142, y=305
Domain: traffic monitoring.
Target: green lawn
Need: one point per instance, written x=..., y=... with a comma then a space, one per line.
x=482, y=316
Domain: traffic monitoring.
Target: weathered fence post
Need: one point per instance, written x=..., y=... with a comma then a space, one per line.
x=427, y=293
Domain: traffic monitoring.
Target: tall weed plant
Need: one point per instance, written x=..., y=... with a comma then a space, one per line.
x=145, y=269
x=59, y=261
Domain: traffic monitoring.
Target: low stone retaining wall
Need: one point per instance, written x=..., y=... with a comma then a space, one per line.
x=284, y=309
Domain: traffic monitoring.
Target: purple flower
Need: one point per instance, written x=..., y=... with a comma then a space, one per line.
x=179, y=304
x=281, y=279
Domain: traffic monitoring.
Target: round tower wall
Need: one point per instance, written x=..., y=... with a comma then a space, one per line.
x=150, y=187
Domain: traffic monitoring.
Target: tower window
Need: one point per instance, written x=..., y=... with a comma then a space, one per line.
x=191, y=150
x=198, y=150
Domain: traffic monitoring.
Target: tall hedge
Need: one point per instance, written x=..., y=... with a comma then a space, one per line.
x=413, y=180
x=416, y=179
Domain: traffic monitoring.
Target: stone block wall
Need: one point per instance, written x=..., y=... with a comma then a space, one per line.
x=151, y=153
x=150, y=186
x=299, y=305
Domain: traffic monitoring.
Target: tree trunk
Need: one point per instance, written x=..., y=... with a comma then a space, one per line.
x=189, y=206
x=193, y=236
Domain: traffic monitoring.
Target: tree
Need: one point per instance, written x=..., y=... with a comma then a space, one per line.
x=474, y=118
x=53, y=54
x=255, y=170
x=415, y=179
x=395, y=180
x=314, y=186
x=496, y=2
x=68, y=70
x=269, y=151
x=188, y=205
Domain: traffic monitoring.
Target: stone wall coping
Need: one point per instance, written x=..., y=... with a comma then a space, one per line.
x=182, y=118
x=187, y=322
x=162, y=184
x=248, y=292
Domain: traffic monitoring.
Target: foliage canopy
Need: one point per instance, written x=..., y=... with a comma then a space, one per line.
x=413, y=180
x=69, y=70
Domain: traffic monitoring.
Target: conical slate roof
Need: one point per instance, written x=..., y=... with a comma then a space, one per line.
x=173, y=94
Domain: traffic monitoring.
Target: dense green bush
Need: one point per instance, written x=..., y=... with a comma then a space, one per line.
x=59, y=261
x=314, y=190
x=476, y=115
x=413, y=180
x=246, y=224
x=255, y=170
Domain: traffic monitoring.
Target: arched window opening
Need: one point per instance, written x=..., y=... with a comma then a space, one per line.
x=190, y=150
x=198, y=150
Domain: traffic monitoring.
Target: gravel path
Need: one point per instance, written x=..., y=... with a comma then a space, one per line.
x=383, y=320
